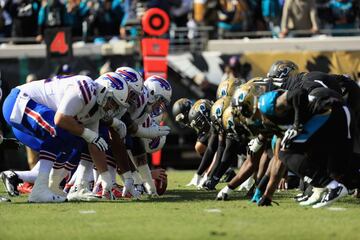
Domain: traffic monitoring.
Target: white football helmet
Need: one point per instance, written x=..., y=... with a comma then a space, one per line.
x=160, y=92
x=134, y=81
x=112, y=86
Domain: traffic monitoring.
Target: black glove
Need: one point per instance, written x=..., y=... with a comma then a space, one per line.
x=10, y=143
x=264, y=201
x=210, y=184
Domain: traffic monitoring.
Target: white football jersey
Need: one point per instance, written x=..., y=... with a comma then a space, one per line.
x=70, y=95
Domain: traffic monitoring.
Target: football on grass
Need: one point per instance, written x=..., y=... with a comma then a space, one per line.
x=160, y=186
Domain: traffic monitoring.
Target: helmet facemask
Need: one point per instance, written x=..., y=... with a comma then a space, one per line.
x=200, y=123
x=159, y=106
x=133, y=97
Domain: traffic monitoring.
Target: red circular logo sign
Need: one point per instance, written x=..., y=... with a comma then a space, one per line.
x=155, y=22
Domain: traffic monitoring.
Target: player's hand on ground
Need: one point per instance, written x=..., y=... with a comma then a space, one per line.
x=129, y=187
x=159, y=174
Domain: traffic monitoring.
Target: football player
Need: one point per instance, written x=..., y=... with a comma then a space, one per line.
x=60, y=113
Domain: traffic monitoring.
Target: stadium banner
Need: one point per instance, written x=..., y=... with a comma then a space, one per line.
x=211, y=64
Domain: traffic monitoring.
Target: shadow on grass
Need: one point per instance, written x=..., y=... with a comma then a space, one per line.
x=178, y=195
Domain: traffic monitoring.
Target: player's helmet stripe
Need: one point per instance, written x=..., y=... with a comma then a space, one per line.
x=129, y=76
x=116, y=82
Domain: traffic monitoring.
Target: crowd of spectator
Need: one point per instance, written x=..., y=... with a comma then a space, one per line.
x=91, y=19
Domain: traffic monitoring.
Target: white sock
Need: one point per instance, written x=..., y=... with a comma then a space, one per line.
x=333, y=184
x=145, y=173
x=45, y=166
x=42, y=180
x=73, y=178
x=83, y=171
x=112, y=172
x=137, y=178
x=95, y=174
x=126, y=175
x=29, y=176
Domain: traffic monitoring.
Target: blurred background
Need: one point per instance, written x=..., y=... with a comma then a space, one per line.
x=40, y=39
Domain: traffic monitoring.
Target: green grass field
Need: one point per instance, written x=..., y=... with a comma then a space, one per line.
x=182, y=213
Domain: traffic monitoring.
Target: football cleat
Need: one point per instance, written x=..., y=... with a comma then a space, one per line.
x=11, y=181
x=304, y=196
x=67, y=187
x=108, y=195
x=332, y=196
x=78, y=193
x=314, y=198
x=210, y=184
x=43, y=194
x=140, y=188
x=4, y=199
x=194, y=181
x=25, y=188
x=117, y=190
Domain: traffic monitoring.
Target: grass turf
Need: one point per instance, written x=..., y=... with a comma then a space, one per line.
x=182, y=213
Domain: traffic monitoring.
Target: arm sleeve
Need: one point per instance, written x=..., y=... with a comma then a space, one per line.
x=219, y=154
x=71, y=104
x=209, y=154
x=228, y=157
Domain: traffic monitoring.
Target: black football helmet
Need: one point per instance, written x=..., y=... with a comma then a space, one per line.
x=283, y=69
x=199, y=116
x=181, y=109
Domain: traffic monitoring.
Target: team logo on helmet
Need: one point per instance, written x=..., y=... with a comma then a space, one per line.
x=202, y=108
x=129, y=76
x=115, y=82
x=163, y=83
x=154, y=143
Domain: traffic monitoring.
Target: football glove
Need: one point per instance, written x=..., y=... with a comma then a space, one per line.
x=92, y=137
x=224, y=194
x=289, y=135
x=152, y=132
x=254, y=146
